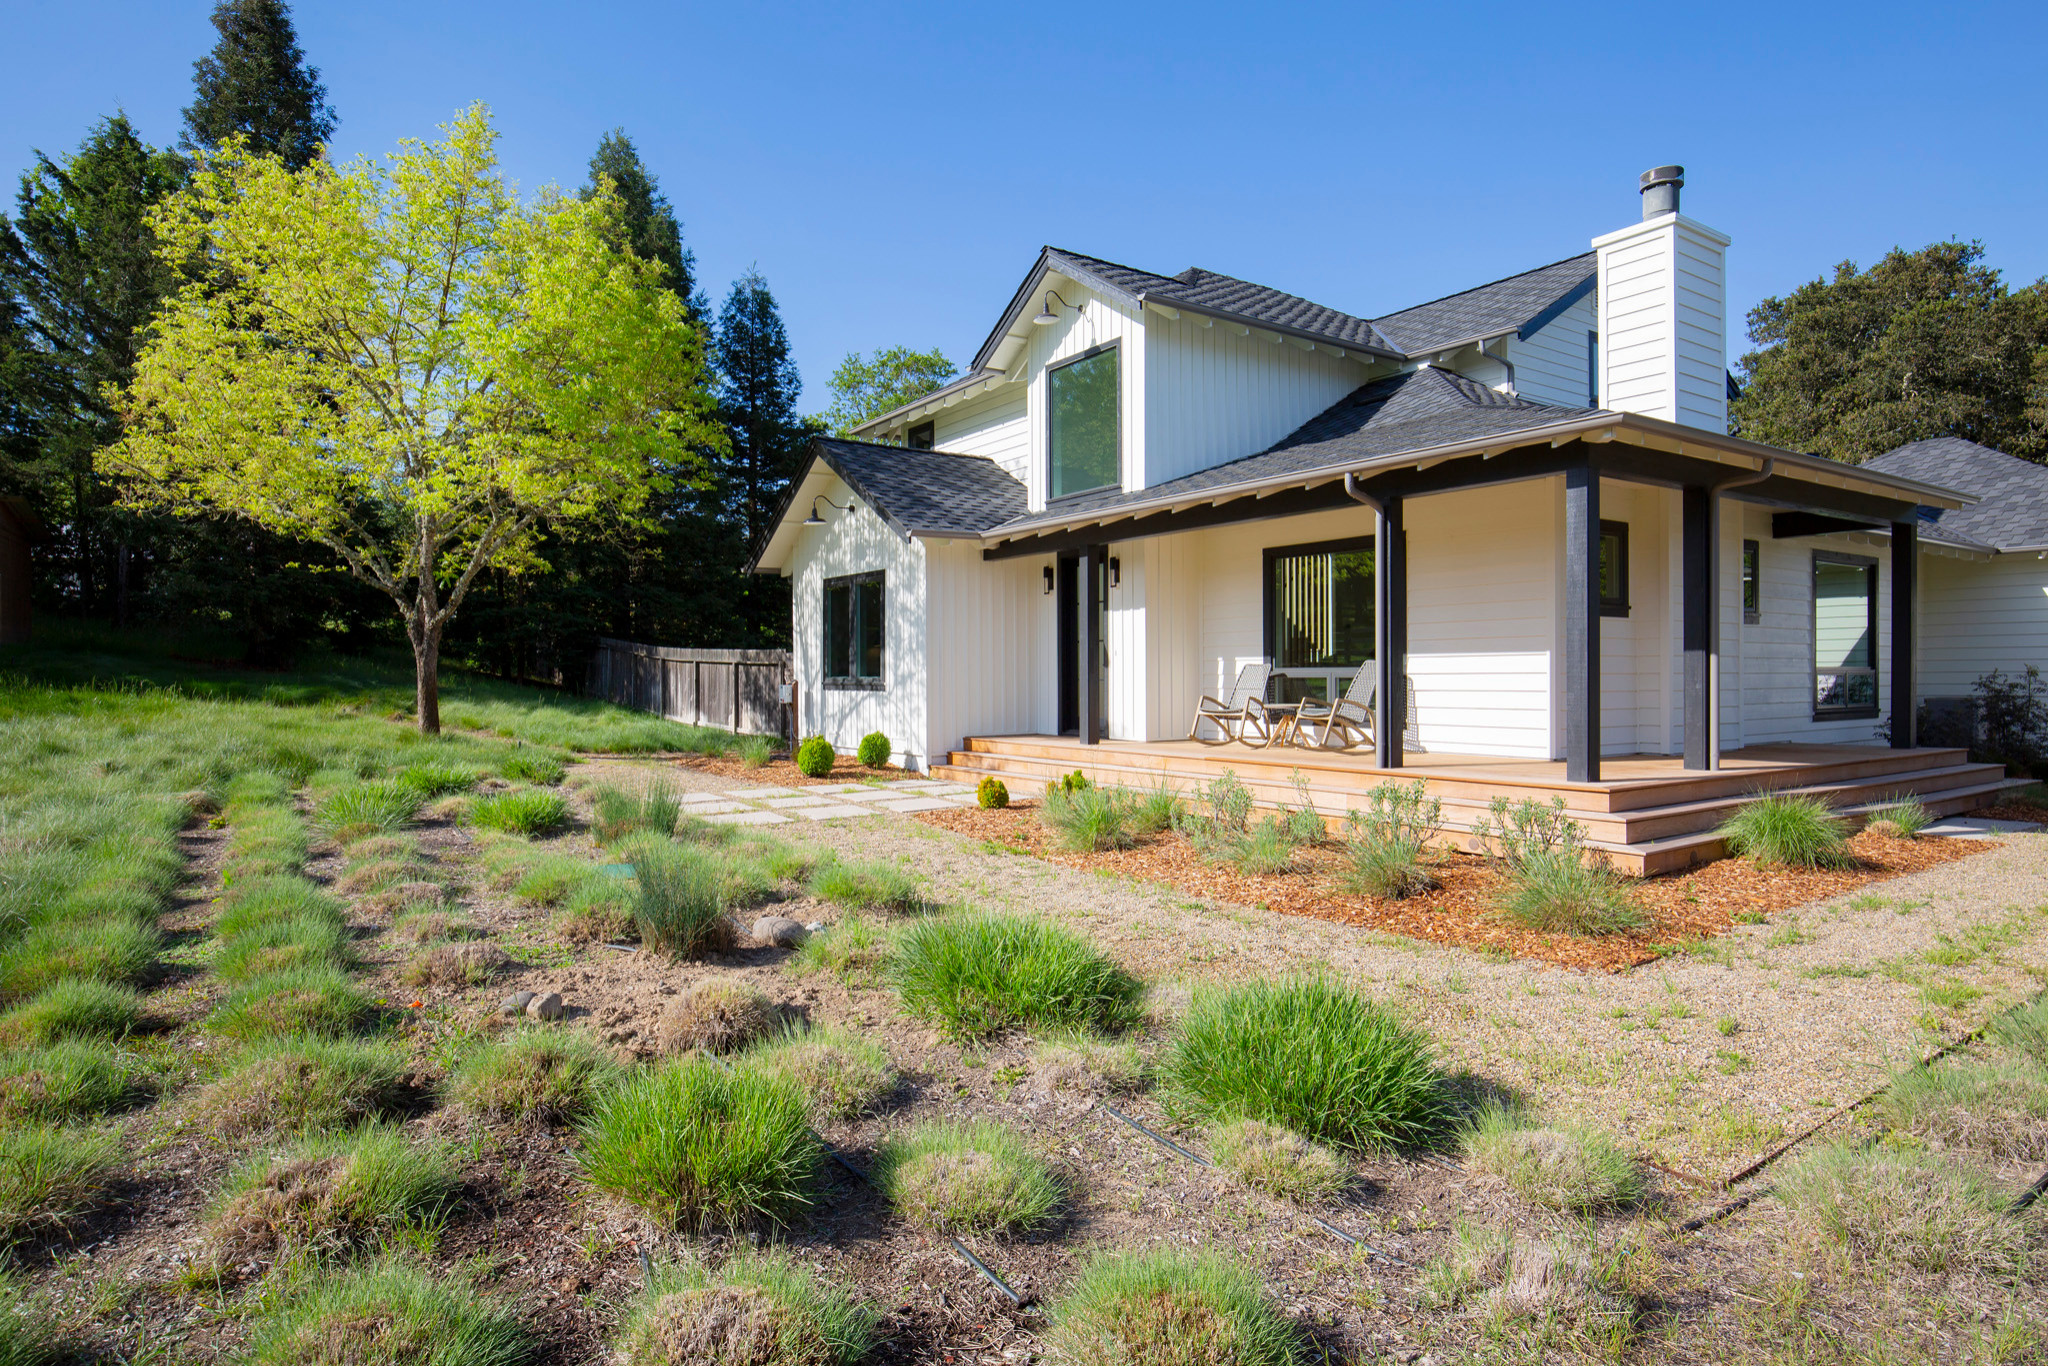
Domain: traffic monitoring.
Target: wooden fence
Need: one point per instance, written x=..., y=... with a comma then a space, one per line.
x=736, y=690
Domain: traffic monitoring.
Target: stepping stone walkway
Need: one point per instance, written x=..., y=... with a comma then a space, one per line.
x=826, y=802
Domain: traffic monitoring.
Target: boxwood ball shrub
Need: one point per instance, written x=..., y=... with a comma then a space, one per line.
x=979, y=973
x=814, y=757
x=874, y=750
x=1170, y=1309
x=991, y=794
x=1310, y=1055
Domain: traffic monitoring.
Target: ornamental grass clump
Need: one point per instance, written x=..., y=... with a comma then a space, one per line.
x=368, y=808
x=303, y=1000
x=275, y=900
x=978, y=973
x=758, y=1309
x=1998, y=1107
x=528, y=811
x=702, y=1147
x=389, y=1312
x=2024, y=1031
x=680, y=899
x=328, y=1192
x=27, y=1337
x=533, y=1075
x=437, y=778
x=532, y=766
x=66, y=1080
x=754, y=751
x=616, y=814
x=1089, y=817
x=302, y=1084
x=1385, y=845
x=718, y=1015
x=1788, y=831
x=867, y=884
x=52, y=1178
x=73, y=1009
x=1901, y=818
x=1171, y=1309
x=1277, y=1160
x=112, y=948
x=1571, y=1169
x=840, y=1073
x=965, y=1178
x=1311, y=1055
x=853, y=949
x=1901, y=1207
x=1551, y=881
x=303, y=941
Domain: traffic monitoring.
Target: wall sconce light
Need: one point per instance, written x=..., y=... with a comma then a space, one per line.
x=1048, y=579
x=1046, y=317
x=1116, y=572
x=814, y=519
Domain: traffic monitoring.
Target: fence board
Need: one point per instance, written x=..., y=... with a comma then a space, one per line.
x=738, y=690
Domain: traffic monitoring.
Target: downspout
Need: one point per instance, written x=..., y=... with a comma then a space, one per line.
x=1714, y=492
x=1502, y=358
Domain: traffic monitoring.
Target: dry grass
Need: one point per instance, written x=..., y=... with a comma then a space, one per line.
x=1571, y=1168
x=1535, y=1299
x=761, y=1309
x=1999, y=1107
x=960, y=1178
x=717, y=1016
x=540, y=1076
x=1278, y=1161
x=433, y=927
x=328, y=1193
x=457, y=965
x=304, y=1084
x=1896, y=1207
x=842, y=1075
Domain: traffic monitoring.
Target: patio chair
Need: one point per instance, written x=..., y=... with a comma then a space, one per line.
x=1349, y=717
x=1240, y=711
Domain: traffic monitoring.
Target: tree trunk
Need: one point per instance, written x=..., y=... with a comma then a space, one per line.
x=426, y=660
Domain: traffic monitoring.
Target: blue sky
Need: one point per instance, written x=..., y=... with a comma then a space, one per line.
x=893, y=168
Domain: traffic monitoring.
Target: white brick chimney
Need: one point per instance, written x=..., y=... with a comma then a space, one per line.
x=1664, y=312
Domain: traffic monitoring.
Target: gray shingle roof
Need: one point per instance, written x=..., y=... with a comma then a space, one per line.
x=1504, y=306
x=1391, y=416
x=1208, y=292
x=925, y=493
x=2014, y=512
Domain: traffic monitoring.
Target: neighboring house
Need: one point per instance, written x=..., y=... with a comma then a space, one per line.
x=19, y=529
x=1521, y=501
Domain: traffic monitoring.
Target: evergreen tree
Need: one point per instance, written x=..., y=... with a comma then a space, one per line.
x=256, y=82
x=652, y=232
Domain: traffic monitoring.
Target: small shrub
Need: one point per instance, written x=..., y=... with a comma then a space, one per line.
x=528, y=811
x=1788, y=831
x=73, y=1009
x=874, y=750
x=1902, y=818
x=70, y=1079
x=51, y=1178
x=1387, y=842
x=755, y=751
x=815, y=757
x=532, y=766
x=852, y=950
x=298, y=1085
x=337, y=1189
x=867, y=885
x=991, y=794
x=979, y=973
x=533, y=1075
x=1070, y=783
x=385, y=1313
x=718, y=1015
x=1221, y=811
x=1575, y=1170
x=456, y=965
x=965, y=1178
x=1310, y=1055
x=701, y=1147
x=1900, y=1207
x=368, y=808
x=1995, y=1107
x=758, y=1309
x=311, y=1000
x=1277, y=1161
x=304, y=941
x=680, y=901
x=1088, y=817
x=842, y=1075
x=98, y=948
x=1171, y=1309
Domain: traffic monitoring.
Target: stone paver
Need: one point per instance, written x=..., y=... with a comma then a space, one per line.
x=716, y=808
x=692, y=798
x=906, y=804
x=749, y=817
x=835, y=788
x=758, y=792
x=783, y=803
x=862, y=794
x=837, y=811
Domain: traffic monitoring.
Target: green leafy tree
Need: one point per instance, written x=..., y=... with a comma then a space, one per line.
x=648, y=221
x=403, y=364
x=864, y=387
x=79, y=262
x=1924, y=343
x=255, y=85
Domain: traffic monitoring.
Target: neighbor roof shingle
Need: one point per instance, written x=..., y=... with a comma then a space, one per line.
x=2014, y=512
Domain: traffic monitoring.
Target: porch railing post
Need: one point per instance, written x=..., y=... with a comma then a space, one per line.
x=1905, y=582
x=1701, y=604
x=1390, y=574
x=1582, y=622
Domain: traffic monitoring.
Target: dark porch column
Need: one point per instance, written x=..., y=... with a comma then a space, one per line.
x=1905, y=578
x=1700, y=597
x=1091, y=642
x=1390, y=586
x=1582, y=622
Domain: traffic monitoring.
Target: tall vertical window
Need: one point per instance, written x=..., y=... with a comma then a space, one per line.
x=1844, y=636
x=1752, y=583
x=1613, y=569
x=1592, y=369
x=1082, y=432
x=1319, y=615
x=853, y=631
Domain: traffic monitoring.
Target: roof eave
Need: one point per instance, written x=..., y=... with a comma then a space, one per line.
x=1180, y=305
x=898, y=413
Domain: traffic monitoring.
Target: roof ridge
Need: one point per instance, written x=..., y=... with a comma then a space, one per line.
x=1474, y=289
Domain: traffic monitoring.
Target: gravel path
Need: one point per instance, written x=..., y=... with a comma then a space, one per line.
x=1703, y=1061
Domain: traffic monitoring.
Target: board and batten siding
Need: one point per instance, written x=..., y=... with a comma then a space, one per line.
x=1636, y=651
x=1976, y=616
x=859, y=542
x=1551, y=364
x=1098, y=322
x=1221, y=391
x=1663, y=322
x=992, y=668
x=996, y=425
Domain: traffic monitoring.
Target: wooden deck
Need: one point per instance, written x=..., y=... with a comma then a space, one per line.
x=1648, y=812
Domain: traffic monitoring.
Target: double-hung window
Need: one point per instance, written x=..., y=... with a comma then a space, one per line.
x=1082, y=439
x=853, y=631
x=1844, y=636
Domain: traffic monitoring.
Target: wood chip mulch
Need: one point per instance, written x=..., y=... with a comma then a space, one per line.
x=781, y=771
x=1695, y=904
x=2015, y=811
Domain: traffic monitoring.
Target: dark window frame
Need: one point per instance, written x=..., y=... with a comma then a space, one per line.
x=1615, y=606
x=1868, y=564
x=1271, y=636
x=1752, y=582
x=922, y=437
x=856, y=681
x=1090, y=354
x=1592, y=368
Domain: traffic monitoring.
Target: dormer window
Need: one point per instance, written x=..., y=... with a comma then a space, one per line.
x=1083, y=424
x=922, y=437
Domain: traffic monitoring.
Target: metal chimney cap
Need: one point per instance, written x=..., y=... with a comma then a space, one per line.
x=1662, y=175
x=1660, y=190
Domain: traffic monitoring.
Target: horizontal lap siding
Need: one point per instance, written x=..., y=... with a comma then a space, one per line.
x=1550, y=366
x=1977, y=616
x=1775, y=685
x=996, y=427
x=1636, y=650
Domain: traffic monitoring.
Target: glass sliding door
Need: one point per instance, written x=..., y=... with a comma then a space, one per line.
x=1319, y=616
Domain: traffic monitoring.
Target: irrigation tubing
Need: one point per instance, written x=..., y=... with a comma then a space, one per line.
x=977, y=1263
x=1163, y=1141
x=2030, y=1194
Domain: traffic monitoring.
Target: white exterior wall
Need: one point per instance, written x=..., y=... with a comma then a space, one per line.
x=990, y=626
x=1639, y=652
x=859, y=542
x=1099, y=322
x=996, y=425
x=1220, y=392
x=1663, y=321
x=1976, y=616
x=1550, y=366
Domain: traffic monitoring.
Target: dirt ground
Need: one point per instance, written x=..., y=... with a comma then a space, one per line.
x=1699, y=1062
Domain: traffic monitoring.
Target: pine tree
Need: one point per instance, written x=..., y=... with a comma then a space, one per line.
x=652, y=231
x=256, y=82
